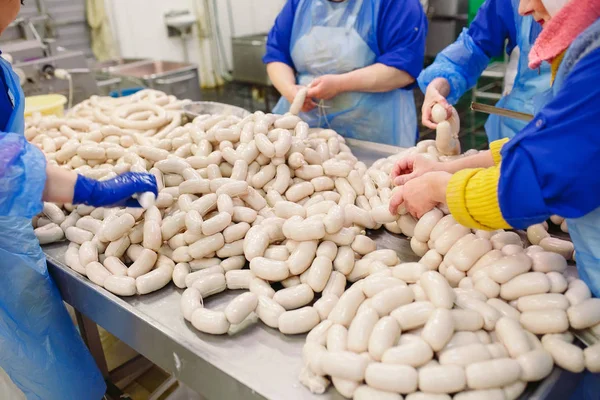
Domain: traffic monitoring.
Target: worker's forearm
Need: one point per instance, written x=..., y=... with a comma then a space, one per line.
x=375, y=78
x=283, y=78
x=480, y=160
x=60, y=185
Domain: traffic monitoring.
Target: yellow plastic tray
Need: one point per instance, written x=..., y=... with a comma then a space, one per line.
x=47, y=104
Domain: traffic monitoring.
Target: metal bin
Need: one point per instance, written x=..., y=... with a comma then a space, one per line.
x=174, y=78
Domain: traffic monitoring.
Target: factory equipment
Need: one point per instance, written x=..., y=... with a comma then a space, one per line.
x=36, y=58
x=179, y=24
x=247, y=59
x=108, y=83
x=447, y=19
x=175, y=78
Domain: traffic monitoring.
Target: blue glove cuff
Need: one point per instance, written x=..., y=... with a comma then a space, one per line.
x=84, y=187
x=116, y=192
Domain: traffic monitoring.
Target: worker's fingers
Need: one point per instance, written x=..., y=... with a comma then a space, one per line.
x=396, y=200
x=403, y=179
x=309, y=106
x=314, y=92
x=444, y=103
x=426, y=115
x=403, y=166
x=427, y=122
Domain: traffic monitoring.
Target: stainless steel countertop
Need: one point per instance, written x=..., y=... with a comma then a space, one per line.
x=258, y=363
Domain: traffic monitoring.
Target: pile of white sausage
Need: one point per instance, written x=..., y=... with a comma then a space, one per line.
x=479, y=315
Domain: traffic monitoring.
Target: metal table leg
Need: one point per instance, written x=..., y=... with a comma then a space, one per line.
x=91, y=338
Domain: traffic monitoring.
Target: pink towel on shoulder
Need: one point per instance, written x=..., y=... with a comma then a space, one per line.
x=558, y=34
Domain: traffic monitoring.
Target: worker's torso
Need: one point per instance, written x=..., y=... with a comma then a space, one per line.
x=335, y=38
x=584, y=231
x=12, y=101
x=528, y=83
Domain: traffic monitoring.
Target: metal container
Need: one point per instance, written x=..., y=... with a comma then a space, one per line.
x=210, y=107
x=105, y=66
x=175, y=78
x=447, y=19
x=248, y=52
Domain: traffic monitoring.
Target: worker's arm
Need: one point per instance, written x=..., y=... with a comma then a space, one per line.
x=416, y=165
x=549, y=168
x=399, y=50
x=278, y=58
x=375, y=78
x=283, y=78
x=461, y=64
x=64, y=186
x=60, y=184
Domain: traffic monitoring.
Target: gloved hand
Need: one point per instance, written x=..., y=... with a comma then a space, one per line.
x=114, y=192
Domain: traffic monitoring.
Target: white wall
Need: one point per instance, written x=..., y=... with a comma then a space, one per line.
x=141, y=33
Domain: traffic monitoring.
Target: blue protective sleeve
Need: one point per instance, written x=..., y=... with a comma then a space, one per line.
x=462, y=63
x=401, y=33
x=551, y=166
x=22, y=176
x=278, y=41
x=114, y=192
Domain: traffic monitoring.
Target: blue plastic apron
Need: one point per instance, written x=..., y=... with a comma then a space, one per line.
x=528, y=82
x=325, y=41
x=40, y=348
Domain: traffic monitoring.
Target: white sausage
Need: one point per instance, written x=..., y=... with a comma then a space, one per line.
x=512, y=336
x=209, y=321
x=360, y=329
x=383, y=337
x=298, y=321
x=535, y=365
x=391, y=377
x=344, y=311
x=413, y=315
x=120, y=285
x=545, y=321
x=584, y=314
x=442, y=379
x=542, y=302
x=439, y=329
x=210, y=284
x=525, y=285
x=437, y=289
x=415, y=353
x=96, y=273
x=465, y=355
x=565, y=355
x=492, y=373
x=294, y=297
x=269, y=270
x=143, y=264
x=269, y=311
x=240, y=307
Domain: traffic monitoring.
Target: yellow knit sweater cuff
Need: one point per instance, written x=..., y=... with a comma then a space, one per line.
x=496, y=147
x=472, y=197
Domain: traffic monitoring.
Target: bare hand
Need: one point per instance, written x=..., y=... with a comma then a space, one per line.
x=325, y=87
x=412, y=167
x=434, y=96
x=421, y=195
x=308, y=105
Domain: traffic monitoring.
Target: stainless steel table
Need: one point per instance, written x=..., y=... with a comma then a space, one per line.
x=258, y=363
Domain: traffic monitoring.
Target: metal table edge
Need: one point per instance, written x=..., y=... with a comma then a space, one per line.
x=96, y=303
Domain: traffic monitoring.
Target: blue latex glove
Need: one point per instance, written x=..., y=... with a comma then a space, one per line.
x=114, y=192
